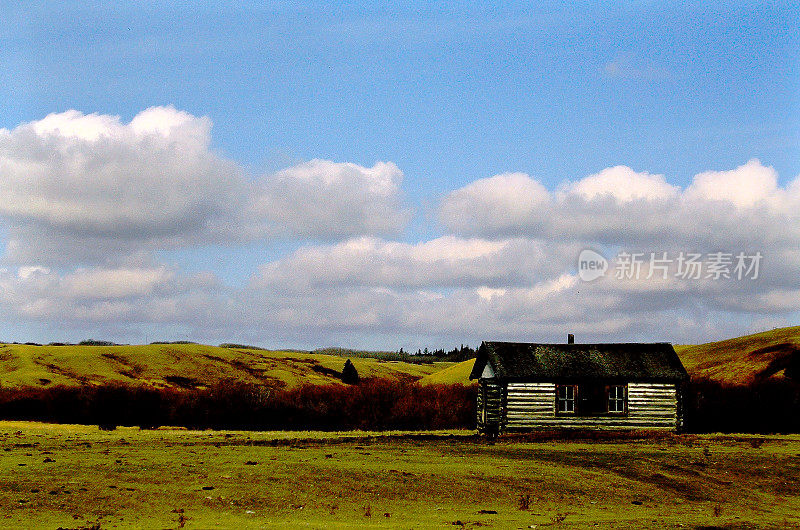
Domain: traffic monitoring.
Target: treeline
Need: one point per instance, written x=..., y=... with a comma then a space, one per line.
x=422, y=356
x=373, y=404
x=464, y=353
x=87, y=342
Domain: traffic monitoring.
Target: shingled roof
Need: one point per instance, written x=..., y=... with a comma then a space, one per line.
x=549, y=362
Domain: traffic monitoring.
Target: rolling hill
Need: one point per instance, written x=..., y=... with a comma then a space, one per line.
x=771, y=354
x=455, y=374
x=741, y=360
x=746, y=359
x=184, y=366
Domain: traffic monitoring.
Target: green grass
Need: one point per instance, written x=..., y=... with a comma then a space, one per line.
x=738, y=360
x=74, y=476
x=155, y=365
x=455, y=374
x=742, y=360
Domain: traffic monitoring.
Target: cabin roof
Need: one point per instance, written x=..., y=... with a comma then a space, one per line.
x=617, y=361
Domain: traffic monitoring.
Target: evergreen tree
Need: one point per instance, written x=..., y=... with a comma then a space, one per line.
x=349, y=373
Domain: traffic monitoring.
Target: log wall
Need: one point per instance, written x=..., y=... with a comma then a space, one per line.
x=533, y=405
x=490, y=405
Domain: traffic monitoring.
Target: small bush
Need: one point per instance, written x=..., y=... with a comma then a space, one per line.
x=524, y=502
x=92, y=342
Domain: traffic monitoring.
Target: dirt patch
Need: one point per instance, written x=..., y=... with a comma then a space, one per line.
x=183, y=382
x=82, y=379
x=256, y=373
x=330, y=372
x=124, y=366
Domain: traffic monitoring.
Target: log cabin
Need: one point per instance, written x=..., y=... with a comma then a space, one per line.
x=525, y=386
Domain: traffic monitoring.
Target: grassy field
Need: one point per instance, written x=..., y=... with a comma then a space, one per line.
x=162, y=365
x=740, y=360
x=746, y=359
x=458, y=373
x=76, y=476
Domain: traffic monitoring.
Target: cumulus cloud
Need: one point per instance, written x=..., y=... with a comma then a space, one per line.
x=624, y=185
x=373, y=292
x=747, y=186
x=102, y=295
x=115, y=283
x=86, y=199
x=80, y=187
x=445, y=262
x=328, y=200
x=93, y=175
x=505, y=202
x=741, y=207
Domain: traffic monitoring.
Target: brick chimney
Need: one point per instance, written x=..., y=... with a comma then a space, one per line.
x=570, y=339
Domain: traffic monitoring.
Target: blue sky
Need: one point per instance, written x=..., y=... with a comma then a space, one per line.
x=450, y=95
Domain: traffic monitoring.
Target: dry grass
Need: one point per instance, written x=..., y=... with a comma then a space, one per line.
x=455, y=374
x=743, y=360
x=73, y=476
x=181, y=365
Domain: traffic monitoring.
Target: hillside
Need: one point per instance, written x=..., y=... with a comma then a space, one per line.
x=741, y=360
x=735, y=361
x=746, y=359
x=457, y=373
x=184, y=365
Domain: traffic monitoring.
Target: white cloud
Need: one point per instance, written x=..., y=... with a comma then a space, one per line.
x=744, y=187
x=329, y=200
x=87, y=199
x=623, y=184
x=115, y=283
x=503, y=202
x=100, y=295
x=23, y=273
x=78, y=188
x=446, y=262
x=72, y=179
x=392, y=292
x=743, y=207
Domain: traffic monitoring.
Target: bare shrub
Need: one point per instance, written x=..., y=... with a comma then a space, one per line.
x=524, y=502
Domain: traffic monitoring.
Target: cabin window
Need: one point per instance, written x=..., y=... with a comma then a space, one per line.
x=566, y=399
x=616, y=398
